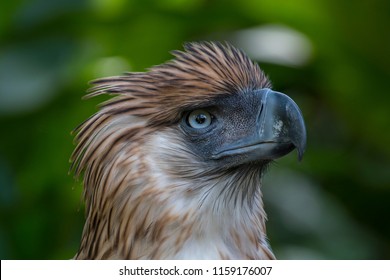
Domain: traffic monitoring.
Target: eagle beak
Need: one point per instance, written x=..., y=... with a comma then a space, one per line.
x=279, y=129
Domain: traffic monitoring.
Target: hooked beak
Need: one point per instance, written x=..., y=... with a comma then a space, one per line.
x=279, y=129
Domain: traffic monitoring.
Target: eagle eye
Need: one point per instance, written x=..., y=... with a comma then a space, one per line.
x=199, y=119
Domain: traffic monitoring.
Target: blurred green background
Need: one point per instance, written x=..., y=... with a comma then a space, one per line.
x=332, y=57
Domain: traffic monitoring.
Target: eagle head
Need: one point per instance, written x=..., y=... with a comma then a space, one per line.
x=172, y=164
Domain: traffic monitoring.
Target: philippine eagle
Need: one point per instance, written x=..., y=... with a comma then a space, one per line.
x=172, y=165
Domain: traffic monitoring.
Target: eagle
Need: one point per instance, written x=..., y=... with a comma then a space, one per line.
x=172, y=163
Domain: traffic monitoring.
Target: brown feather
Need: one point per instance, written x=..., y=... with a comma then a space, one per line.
x=147, y=195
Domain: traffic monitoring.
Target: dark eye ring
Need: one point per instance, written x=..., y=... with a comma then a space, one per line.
x=199, y=119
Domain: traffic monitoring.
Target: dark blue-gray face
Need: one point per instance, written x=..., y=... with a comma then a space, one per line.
x=248, y=127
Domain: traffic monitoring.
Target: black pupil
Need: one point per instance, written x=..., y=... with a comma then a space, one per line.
x=201, y=118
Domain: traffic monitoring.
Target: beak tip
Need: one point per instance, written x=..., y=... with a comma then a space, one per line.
x=300, y=144
x=300, y=156
x=299, y=137
x=301, y=150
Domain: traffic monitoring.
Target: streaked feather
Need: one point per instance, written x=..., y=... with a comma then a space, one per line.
x=147, y=195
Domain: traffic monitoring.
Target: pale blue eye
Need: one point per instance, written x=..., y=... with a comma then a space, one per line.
x=199, y=119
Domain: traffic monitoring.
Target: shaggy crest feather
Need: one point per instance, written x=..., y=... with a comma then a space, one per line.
x=147, y=195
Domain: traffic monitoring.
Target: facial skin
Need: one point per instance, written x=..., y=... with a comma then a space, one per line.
x=247, y=127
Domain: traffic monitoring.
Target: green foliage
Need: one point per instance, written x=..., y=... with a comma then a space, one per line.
x=333, y=205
